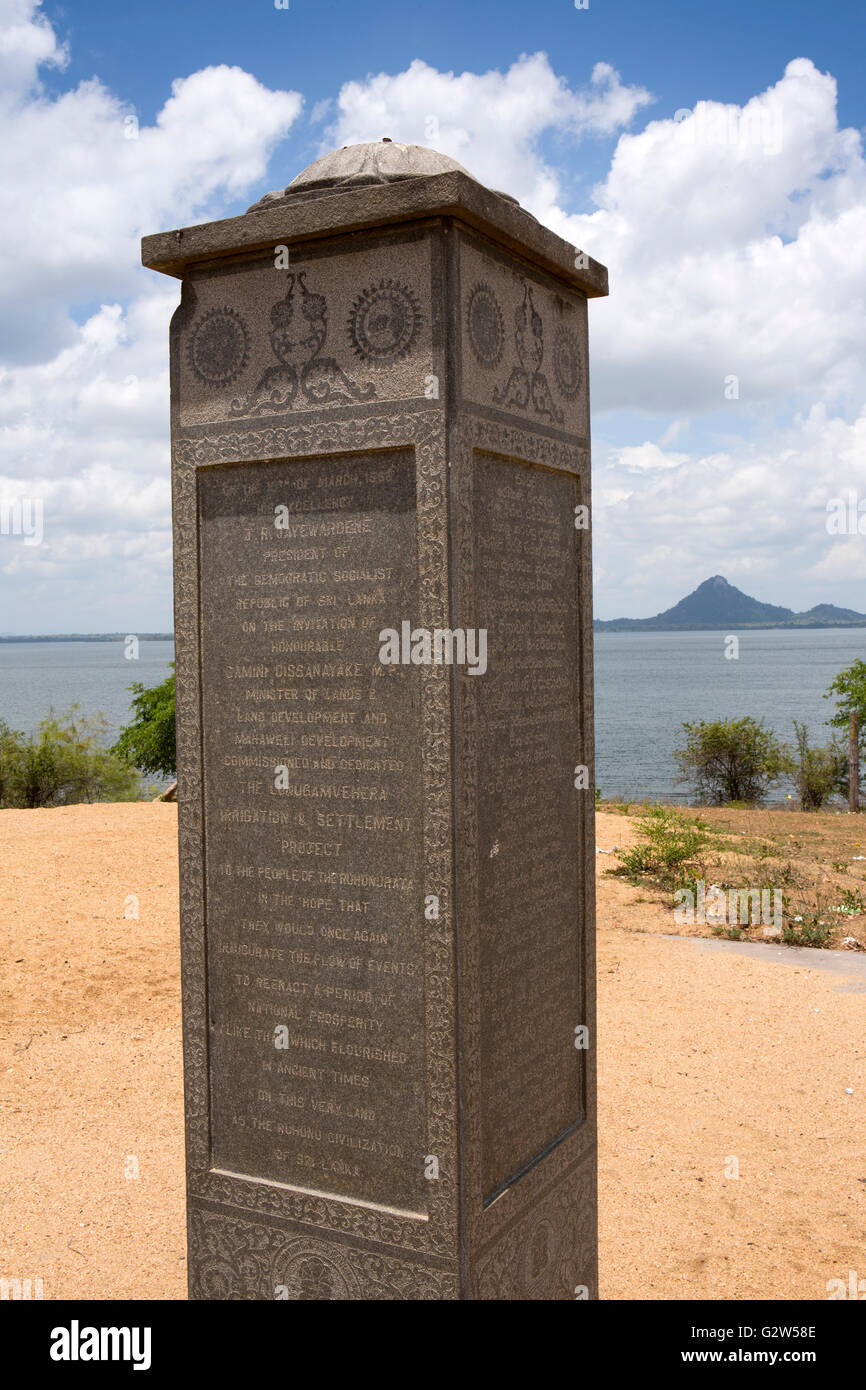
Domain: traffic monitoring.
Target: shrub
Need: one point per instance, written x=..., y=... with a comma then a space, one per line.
x=64, y=763
x=812, y=932
x=732, y=760
x=11, y=748
x=820, y=772
x=673, y=841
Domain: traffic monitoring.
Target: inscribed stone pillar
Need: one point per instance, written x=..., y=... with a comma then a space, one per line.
x=380, y=438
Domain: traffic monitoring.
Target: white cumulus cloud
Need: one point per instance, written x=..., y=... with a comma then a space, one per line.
x=492, y=122
x=83, y=364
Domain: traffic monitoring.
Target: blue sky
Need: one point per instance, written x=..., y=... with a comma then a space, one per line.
x=684, y=51
x=735, y=236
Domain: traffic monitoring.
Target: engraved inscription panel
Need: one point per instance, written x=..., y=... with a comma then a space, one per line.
x=526, y=593
x=312, y=796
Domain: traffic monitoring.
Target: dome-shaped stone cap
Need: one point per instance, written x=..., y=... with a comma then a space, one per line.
x=378, y=161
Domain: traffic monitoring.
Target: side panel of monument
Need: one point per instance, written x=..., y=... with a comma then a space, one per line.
x=314, y=781
x=525, y=822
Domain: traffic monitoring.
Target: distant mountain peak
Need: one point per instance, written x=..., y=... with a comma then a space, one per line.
x=716, y=603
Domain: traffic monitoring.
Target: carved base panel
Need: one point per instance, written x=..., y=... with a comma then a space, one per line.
x=232, y=1257
x=549, y=1252
x=546, y=1253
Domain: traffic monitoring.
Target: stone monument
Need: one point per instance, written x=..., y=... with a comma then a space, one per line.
x=380, y=436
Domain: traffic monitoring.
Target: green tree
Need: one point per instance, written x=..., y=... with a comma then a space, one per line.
x=849, y=688
x=732, y=760
x=820, y=773
x=148, y=743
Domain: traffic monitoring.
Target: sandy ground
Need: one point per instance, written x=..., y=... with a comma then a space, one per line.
x=712, y=1062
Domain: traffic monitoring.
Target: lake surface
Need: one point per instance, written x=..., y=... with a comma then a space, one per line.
x=34, y=676
x=647, y=684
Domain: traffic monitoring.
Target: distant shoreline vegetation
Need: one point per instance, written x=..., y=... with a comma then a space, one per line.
x=91, y=637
